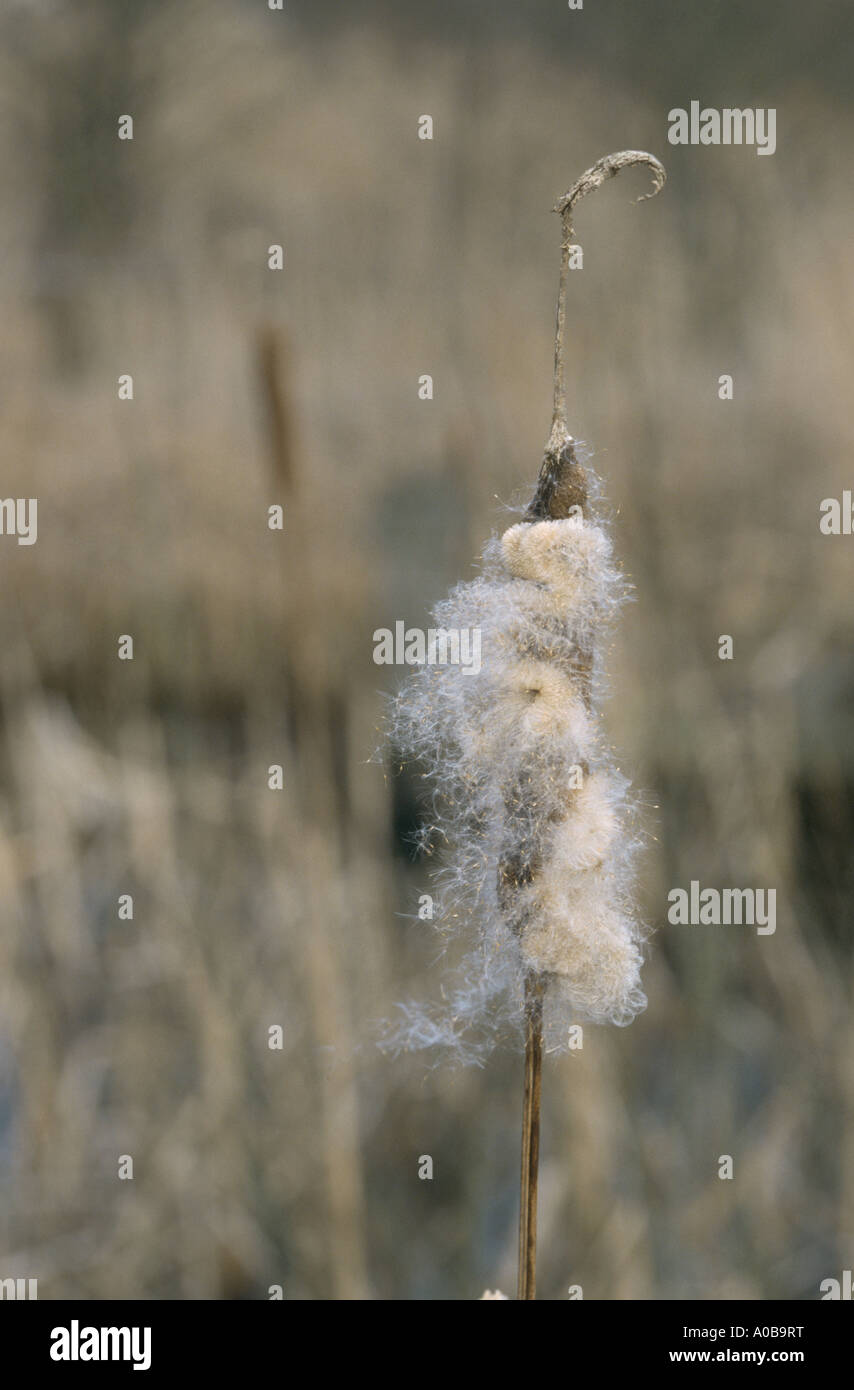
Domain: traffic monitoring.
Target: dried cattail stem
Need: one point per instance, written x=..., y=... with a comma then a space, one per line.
x=538, y=857
x=561, y=492
x=560, y=460
x=534, y=989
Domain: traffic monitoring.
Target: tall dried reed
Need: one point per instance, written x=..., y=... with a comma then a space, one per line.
x=535, y=819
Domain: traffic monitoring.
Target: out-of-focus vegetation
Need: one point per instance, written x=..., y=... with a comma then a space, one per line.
x=253, y=908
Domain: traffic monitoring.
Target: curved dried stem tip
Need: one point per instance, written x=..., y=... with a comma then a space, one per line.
x=605, y=169
x=561, y=440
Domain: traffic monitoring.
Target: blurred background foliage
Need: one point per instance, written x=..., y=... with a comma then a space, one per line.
x=252, y=908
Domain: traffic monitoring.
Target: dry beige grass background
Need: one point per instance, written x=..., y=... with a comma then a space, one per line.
x=299, y=1167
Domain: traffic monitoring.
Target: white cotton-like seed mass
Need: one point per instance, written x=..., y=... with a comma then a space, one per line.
x=530, y=820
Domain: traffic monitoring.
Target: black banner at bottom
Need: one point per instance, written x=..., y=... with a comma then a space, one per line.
x=84, y=1340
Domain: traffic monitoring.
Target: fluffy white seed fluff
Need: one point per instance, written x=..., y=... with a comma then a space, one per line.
x=532, y=820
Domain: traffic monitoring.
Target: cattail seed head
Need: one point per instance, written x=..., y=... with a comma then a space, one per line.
x=538, y=861
x=534, y=819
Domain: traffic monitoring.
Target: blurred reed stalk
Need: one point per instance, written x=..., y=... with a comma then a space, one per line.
x=317, y=707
